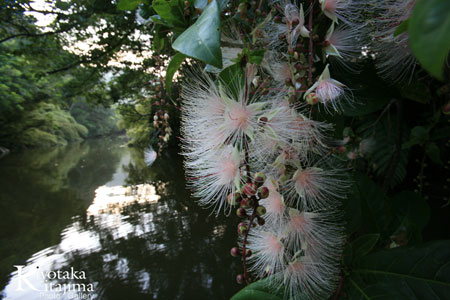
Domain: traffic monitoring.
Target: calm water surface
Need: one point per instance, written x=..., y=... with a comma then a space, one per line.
x=111, y=226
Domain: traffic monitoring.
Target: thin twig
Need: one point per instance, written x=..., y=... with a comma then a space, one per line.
x=310, y=25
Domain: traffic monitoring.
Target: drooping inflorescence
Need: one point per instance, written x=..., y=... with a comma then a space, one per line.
x=253, y=144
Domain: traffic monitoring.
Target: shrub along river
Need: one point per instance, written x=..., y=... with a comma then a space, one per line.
x=93, y=221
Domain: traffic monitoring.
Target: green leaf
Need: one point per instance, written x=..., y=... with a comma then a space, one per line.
x=434, y=153
x=256, y=57
x=364, y=244
x=352, y=209
x=130, y=4
x=374, y=205
x=416, y=91
x=170, y=11
x=145, y=11
x=429, y=34
x=259, y=290
x=173, y=66
x=202, y=39
x=158, y=20
x=233, y=78
x=403, y=273
x=412, y=215
x=369, y=93
x=403, y=27
x=419, y=135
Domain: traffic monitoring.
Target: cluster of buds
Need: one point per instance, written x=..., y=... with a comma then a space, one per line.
x=161, y=123
x=251, y=211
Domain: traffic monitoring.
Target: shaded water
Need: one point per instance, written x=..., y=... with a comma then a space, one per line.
x=66, y=209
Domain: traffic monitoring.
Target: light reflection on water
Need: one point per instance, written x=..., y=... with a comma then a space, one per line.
x=145, y=240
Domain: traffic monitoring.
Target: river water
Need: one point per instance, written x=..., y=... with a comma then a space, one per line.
x=93, y=221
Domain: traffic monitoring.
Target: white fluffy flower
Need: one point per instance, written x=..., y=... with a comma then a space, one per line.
x=316, y=233
x=214, y=175
x=291, y=30
x=316, y=188
x=343, y=45
x=393, y=55
x=329, y=91
x=266, y=243
x=343, y=10
x=213, y=117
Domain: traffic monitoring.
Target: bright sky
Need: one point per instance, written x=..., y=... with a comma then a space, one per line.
x=79, y=47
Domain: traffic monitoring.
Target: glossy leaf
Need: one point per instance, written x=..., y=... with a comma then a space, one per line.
x=403, y=273
x=374, y=203
x=170, y=11
x=259, y=290
x=413, y=207
x=364, y=244
x=434, y=153
x=429, y=29
x=173, y=66
x=416, y=91
x=202, y=39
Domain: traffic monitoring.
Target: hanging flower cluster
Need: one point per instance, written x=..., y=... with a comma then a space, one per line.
x=392, y=52
x=252, y=147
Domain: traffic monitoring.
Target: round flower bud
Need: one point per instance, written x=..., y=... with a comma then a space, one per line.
x=260, y=178
x=263, y=192
x=260, y=210
x=240, y=279
x=248, y=253
x=242, y=8
x=235, y=252
x=241, y=213
x=261, y=221
x=155, y=117
x=446, y=109
x=242, y=228
x=263, y=120
x=245, y=203
x=166, y=116
x=351, y=155
x=249, y=189
x=312, y=99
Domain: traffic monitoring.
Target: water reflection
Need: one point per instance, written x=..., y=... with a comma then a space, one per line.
x=145, y=240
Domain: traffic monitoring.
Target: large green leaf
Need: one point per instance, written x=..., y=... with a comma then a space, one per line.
x=403, y=273
x=173, y=66
x=429, y=30
x=375, y=207
x=413, y=208
x=170, y=11
x=259, y=290
x=202, y=39
x=364, y=244
x=384, y=135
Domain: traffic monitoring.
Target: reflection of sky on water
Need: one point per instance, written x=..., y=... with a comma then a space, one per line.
x=106, y=207
x=145, y=240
